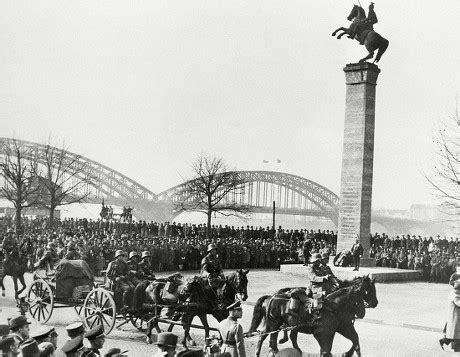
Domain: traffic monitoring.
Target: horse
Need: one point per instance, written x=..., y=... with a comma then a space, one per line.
x=202, y=300
x=339, y=310
x=362, y=30
x=14, y=265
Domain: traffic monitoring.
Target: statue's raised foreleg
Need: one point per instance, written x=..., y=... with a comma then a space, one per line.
x=344, y=29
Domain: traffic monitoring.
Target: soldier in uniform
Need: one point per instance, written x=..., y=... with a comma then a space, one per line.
x=96, y=339
x=118, y=275
x=49, y=258
x=19, y=327
x=133, y=264
x=318, y=278
x=212, y=270
x=232, y=333
x=72, y=253
x=328, y=271
x=72, y=347
x=145, y=266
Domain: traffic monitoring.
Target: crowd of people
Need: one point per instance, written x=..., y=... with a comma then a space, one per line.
x=176, y=246
x=435, y=257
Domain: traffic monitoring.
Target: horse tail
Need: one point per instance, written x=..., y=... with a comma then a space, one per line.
x=382, y=49
x=258, y=314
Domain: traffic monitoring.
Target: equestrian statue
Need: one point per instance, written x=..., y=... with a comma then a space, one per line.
x=362, y=30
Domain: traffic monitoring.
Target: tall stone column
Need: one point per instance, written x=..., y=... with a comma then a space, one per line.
x=358, y=157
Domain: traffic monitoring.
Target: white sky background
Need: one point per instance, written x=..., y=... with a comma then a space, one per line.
x=145, y=86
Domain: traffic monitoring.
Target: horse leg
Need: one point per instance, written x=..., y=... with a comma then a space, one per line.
x=285, y=337
x=293, y=337
x=187, y=321
x=1, y=284
x=259, y=343
x=325, y=339
x=23, y=284
x=15, y=282
x=369, y=56
x=348, y=331
x=204, y=322
x=174, y=318
x=339, y=29
x=272, y=344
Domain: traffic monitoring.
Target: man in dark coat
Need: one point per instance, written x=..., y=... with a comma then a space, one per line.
x=212, y=269
x=357, y=251
x=118, y=275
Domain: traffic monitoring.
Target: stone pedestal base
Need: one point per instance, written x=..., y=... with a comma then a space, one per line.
x=367, y=262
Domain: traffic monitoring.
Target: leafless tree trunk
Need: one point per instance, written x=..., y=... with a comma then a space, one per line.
x=64, y=178
x=19, y=186
x=212, y=189
x=445, y=178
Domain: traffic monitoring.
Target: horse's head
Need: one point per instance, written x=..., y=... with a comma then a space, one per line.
x=356, y=12
x=366, y=288
x=238, y=281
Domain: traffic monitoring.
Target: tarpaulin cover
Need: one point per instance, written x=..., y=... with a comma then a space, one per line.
x=70, y=274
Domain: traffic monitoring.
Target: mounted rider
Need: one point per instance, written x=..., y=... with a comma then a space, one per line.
x=9, y=243
x=328, y=271
x=49, y=258
x=72, y=253
x=118, y=276
x=357, y=27
x=145, y=266
x=320, y=281
x=212, y=270
x=133, y=263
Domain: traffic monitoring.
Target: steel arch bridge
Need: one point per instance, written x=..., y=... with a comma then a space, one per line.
x=294, y=195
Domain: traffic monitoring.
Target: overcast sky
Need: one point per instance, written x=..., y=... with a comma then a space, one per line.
x=145, y=86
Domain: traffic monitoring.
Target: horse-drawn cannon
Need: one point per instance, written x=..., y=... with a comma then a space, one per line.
x=73, y=286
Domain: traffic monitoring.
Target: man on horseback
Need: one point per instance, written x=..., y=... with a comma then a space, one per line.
x=118, y=273
x=145, y=266
x=212, y=270
x=328, y=271
x=360, y=25
x=319, y=280
x=49, y=258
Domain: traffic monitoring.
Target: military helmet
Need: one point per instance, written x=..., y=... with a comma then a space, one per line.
x=145, y=254
x=133, y=254
x=211, y=247
x=119, y=252
x=315, y=257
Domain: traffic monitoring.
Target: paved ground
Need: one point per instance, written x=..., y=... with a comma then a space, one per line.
x=407, y=321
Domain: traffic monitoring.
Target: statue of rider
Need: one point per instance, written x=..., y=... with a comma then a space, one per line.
x=358, y=27
x=212, y=270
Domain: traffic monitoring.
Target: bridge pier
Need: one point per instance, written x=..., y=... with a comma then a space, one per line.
x=358, y=158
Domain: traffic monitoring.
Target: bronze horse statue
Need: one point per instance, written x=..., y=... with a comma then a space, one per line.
x=362, y=30
x=198, y=298
x=337, y=314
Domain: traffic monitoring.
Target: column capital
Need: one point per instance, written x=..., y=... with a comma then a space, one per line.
x=359, y=73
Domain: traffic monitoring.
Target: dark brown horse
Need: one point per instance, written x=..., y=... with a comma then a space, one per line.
x=200, y=299
x=15, y=265
x=338, y=313
x=362, y=30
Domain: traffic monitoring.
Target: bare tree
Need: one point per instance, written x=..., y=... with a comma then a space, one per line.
x=213, y=189
x=64, y=178
x=445, y=178
x=16, y=167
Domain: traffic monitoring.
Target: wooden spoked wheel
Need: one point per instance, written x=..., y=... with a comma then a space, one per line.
x=41, y=300
x=99, y=310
